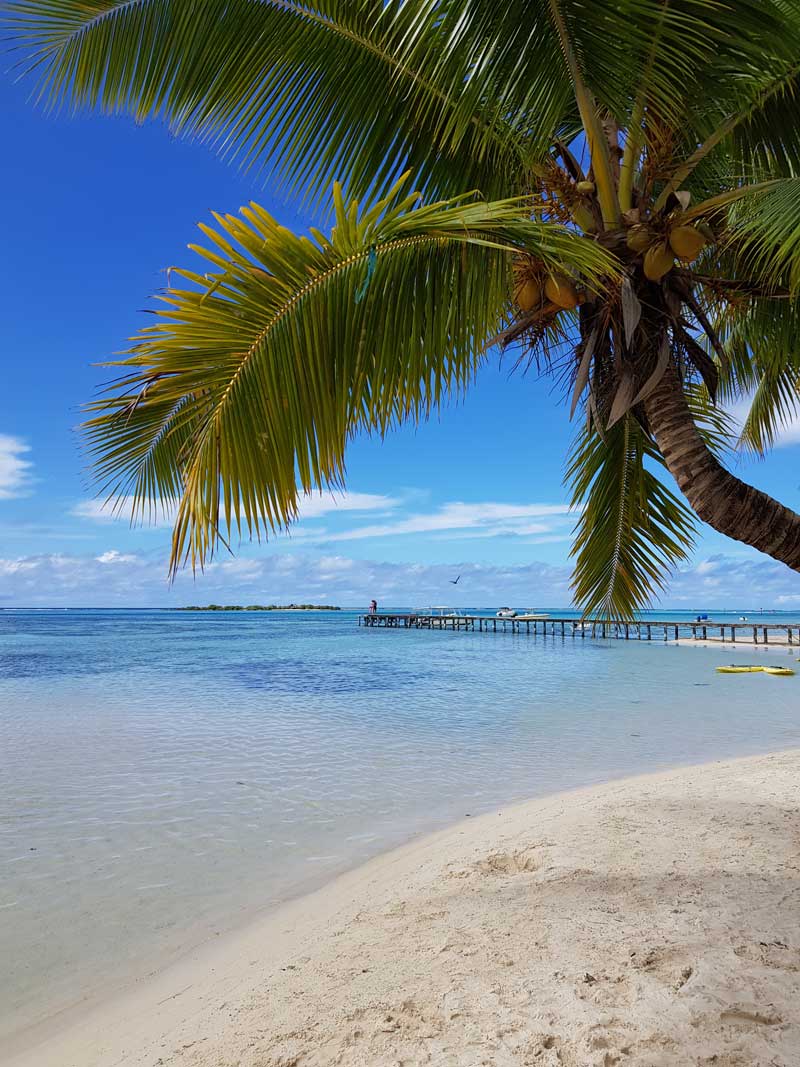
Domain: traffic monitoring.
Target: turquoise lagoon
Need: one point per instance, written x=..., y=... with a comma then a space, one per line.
x=164, y=776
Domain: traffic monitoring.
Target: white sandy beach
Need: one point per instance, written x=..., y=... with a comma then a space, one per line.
x=651, y=922
x=773, y=646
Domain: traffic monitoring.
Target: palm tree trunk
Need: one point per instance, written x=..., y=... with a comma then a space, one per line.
x=720, y=498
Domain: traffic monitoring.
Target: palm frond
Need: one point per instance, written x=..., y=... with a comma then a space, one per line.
x=767, y=141
x=632, y=530
x=762, y=338
x=765, y=234
x=715, y=424
x=614, y=44
x=466, y=96
x=254, y=378
x=774, y=405
x=334, y=89
x=717, y=207
x=759, y=135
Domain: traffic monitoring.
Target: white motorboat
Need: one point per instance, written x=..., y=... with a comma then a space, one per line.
x=506, y=613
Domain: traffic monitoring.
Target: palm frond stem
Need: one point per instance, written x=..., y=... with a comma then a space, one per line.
x=595, y=135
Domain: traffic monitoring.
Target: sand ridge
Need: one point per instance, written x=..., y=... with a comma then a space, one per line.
x=653, y=922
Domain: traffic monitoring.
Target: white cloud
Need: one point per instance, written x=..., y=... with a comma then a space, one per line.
x=239, y=569
x=707, y=566
x=314, y=505
x=482, y=519
x=17, y=566
x=120, y=510
x=336, y=564
x=750, y=581
x=453, y=521
x=15, y=470
x=789, y=434
x=113, y=556
x=456, y=520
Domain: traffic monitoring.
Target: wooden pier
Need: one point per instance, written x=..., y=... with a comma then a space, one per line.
x=634, y=629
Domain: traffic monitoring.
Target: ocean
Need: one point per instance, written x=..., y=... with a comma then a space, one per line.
x=164, y=776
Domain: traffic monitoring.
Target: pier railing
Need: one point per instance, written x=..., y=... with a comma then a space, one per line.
x=634, y=629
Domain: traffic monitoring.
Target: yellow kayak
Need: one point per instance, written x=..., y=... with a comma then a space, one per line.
x=734, y=668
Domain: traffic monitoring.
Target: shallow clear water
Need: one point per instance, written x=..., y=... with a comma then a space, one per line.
x=164, y=775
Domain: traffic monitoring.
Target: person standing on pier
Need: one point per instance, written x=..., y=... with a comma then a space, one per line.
x=373, y=607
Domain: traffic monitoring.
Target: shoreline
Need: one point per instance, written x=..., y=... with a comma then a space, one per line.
x=232, y=995
x=738, y=646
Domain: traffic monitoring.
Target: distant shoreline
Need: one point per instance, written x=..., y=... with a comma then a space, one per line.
x=258, y=607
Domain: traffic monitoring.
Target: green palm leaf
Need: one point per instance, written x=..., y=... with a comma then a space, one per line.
x=774, y=404
x=763, y=343
x=632, y=530
x=334, y=90
x=357, y=89
x=752, y=133
x=253, y=380
x=765, y=231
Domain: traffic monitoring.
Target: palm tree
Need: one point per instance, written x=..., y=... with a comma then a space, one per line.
x=611, y=188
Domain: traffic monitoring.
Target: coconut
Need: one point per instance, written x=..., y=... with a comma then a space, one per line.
x=528, y=294
x=585, y=188
x=639, y=238
x=657, y=261
x=560, y=290
x=686, y=242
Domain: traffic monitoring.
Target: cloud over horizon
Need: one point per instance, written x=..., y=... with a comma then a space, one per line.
x=116, y=578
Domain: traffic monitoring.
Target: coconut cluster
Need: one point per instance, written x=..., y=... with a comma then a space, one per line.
x=659, y=242
x=535, y=288
x=681, y=240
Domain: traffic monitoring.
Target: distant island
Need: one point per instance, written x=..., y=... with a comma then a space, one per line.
x=259, y=607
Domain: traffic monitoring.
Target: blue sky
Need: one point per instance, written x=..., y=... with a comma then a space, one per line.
x=95, y=210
